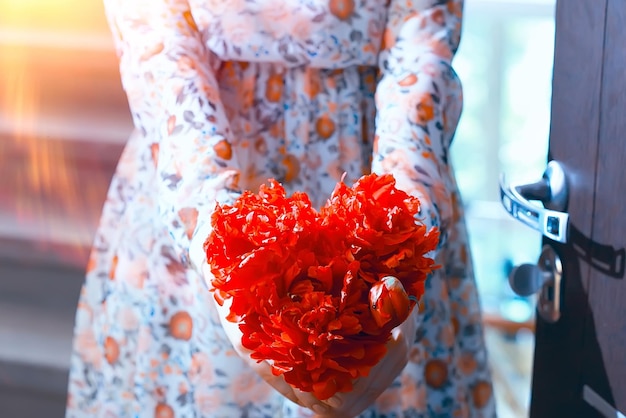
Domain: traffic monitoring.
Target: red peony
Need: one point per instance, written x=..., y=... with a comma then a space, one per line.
x=318, y=293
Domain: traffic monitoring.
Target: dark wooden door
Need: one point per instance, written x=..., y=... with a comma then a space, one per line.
x=581, y=359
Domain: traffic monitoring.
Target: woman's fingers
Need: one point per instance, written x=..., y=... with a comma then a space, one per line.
x=385, y=372
x=367, y=389
x=381, y=377
x=321, y=408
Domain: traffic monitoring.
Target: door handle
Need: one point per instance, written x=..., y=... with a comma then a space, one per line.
x=544, y=277
x=551, y=219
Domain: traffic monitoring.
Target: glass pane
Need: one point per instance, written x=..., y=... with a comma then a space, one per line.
x=505, y=64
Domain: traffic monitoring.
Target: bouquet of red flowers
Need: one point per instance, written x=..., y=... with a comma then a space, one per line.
x=317, y=293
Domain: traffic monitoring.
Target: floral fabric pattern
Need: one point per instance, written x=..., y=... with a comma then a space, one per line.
x=224, y=95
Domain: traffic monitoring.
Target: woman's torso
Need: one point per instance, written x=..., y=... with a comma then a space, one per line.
x=314, y=33
x=297, y=79
x=297, y=83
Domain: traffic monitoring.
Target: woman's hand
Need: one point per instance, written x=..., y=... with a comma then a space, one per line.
x=234, y=334
x=365, y=389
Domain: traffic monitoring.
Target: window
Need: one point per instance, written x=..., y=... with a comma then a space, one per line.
x=505, y=64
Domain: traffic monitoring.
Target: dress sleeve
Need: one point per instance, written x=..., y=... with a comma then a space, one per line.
x=418, y=102
x=169, y=78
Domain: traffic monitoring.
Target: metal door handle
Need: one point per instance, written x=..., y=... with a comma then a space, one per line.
x=544, y=277
x=551, y=190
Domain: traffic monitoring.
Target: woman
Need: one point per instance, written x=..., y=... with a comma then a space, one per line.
x=224, y=95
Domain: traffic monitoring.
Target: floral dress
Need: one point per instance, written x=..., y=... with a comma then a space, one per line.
x=224, y=95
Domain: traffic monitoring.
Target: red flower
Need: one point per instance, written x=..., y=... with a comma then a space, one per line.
x=389, y=303
x=310, y=290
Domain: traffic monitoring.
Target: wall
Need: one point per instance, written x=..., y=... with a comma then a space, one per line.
x=63, y=122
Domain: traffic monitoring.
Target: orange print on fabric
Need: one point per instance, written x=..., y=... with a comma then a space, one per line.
x=409, y=80
x=113, y=267
x=416, y=355
x=455, y=8
x=277, y=129
x=189, y=19
x=463, y=255
x=292, y=166
x=436, y=373
x=91, y=264
x=154, y=151
x=422, y=308
x=334, y=170
x=467, y=363
x=389, y=39
x=481, y=394
x=439, y=17
x=163, y=411
x=455, y=325
x=343, y=9
x=186, y=64
x=171, y=124
x=153, y=50
x=189, y=218
x=260, y=146
x=325, y=127
x=274, y=88
x=181, y=325
x=223, y=150
x=312, y=84
x=425, y=110
x=439, y=48
x=111, y=350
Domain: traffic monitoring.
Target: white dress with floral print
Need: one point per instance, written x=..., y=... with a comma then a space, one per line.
x=224, y=95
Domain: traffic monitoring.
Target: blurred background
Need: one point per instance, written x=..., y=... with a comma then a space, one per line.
x=64, y=121
x=505, y=64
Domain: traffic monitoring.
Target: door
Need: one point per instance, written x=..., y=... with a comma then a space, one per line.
x=580, y=355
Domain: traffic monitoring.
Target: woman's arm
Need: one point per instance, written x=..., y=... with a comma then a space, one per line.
x=169, y=79
x=419, y=101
